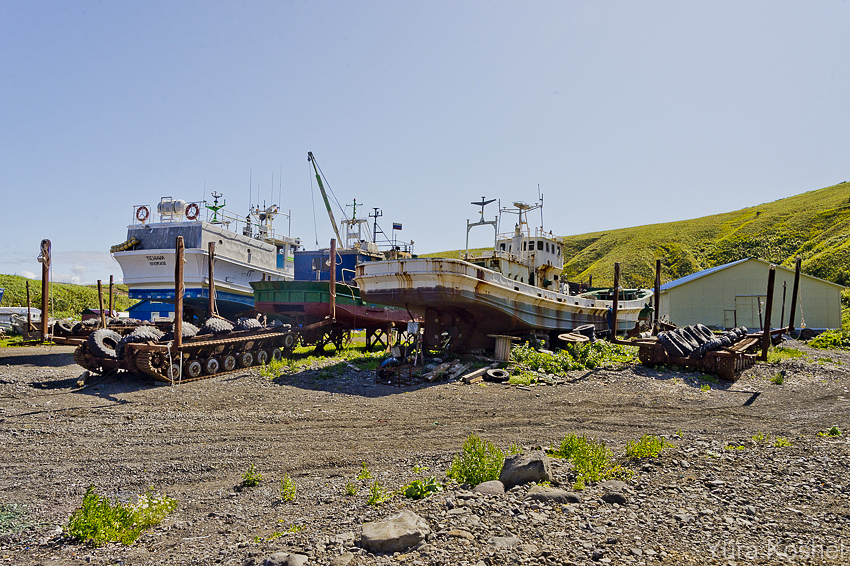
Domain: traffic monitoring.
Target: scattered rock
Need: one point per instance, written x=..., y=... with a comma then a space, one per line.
x=285, y=559
x=552, y=494
x=525, y=468
x=493, y=487
x=396, y=534
x=614, y=497
x=505, y=542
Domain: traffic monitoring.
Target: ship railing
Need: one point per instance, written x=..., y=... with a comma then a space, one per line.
x=539, y=232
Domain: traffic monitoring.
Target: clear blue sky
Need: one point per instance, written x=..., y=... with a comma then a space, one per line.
x=625, y=113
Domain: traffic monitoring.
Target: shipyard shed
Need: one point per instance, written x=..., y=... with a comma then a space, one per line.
x=734, y=294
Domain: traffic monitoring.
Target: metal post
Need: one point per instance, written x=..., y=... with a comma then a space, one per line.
x=784, y=289
x=100, y=304
x=178, y=300
x=616, y=301
x=332, y=285
x=45, y=286
x=111, y=302
x=211, y=274
x=765, y=341
x=29, y=310
x=657, y=291
x=794, y=295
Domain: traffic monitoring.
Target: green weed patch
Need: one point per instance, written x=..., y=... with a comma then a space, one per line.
x=99, y=521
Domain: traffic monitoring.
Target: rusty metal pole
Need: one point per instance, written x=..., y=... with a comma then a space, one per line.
x=784, y=292
x=616, y=301
x=332, y=285
x=29, y=310
x=178, y=299
x=100, y=304
x=111, y=302
x=657, y=291
x=794, y=295
x=45, y=289
x=768, y=308
x=211, y=273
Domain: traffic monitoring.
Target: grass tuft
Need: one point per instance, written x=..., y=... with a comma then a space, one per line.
x=592, y=460
x=251, y=477
x=288, y=489
x=648, y=446
x=478, y=462
x=99, y=521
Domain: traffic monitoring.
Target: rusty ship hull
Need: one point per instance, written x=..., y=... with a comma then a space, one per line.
x=470, y=303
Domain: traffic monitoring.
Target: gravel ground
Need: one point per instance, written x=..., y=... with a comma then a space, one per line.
x=716, y=497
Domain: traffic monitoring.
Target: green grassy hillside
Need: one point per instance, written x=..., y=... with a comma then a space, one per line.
x=813, y=225
x=68, y=300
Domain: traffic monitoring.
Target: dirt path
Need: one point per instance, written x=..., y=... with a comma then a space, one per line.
x=194, y=441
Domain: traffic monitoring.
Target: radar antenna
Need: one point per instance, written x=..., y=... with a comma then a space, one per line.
x=215, y=207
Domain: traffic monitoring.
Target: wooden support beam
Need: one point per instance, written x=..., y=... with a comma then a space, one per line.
x=768, y=309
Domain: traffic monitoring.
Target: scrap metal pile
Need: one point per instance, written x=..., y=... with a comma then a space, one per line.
x=725, y=354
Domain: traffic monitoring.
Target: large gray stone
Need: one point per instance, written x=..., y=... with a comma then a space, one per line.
x=285, y=559
x=493, y=487
x=614, y=497
x=552, y=494
x=525, y=468
x=396, y=534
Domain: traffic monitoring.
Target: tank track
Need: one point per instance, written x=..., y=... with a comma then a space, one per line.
x=83, y=357
x=158, y=360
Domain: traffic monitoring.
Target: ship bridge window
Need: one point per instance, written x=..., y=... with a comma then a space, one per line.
x=249, y=256
x=523, y=246
x=502, y=247
x=547, y=247
x=540, y=245
x=559, y=251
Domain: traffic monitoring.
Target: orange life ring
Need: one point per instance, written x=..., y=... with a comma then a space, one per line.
x=192, y=211
x=142, y=213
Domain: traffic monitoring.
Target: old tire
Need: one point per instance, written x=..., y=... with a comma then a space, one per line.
x=247, y=324
x=102, y=343
x=497, y=375
x=671, y=346
x=229, y=362
x=141, y=334
x=216, y=326
x=188, y=330
x=63, y=328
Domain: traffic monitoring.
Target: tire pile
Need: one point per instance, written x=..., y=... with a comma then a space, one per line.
x=694, y=341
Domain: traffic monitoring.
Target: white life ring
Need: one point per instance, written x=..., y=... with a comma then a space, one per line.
x=142, y=213
x=192, y=211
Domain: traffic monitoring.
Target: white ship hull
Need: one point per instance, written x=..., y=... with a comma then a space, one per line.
x=149, y=266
